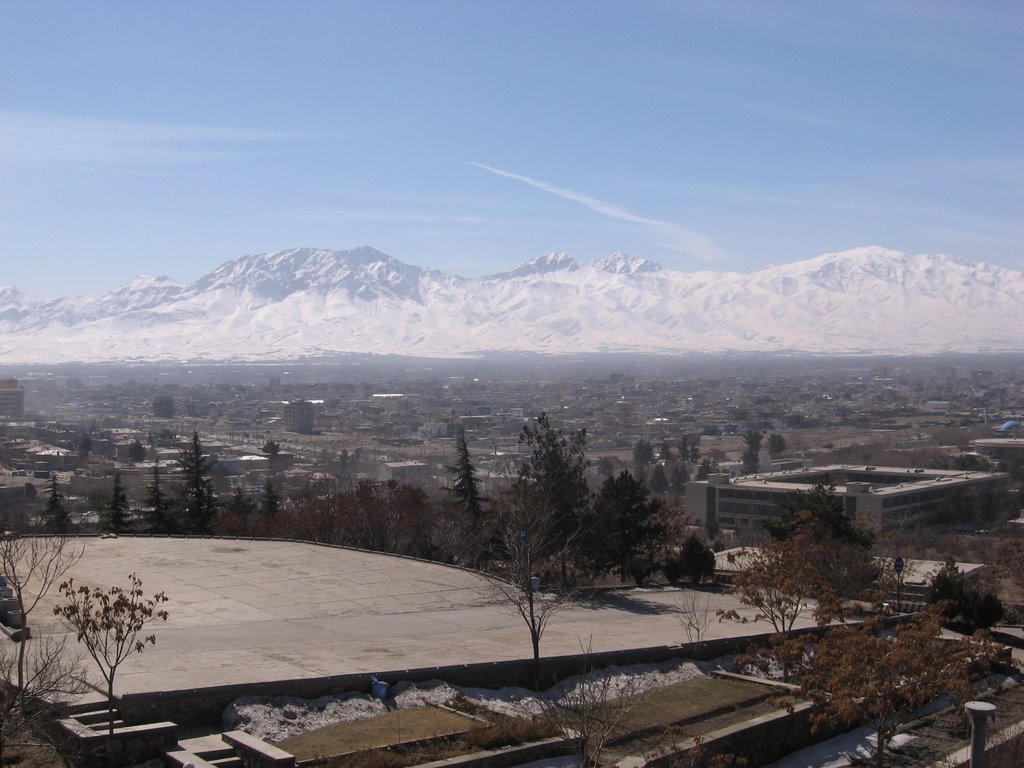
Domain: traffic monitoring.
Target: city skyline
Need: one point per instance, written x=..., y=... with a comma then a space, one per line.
x=469, y=137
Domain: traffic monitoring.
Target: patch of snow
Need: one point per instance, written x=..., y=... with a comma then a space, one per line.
x=274, y=718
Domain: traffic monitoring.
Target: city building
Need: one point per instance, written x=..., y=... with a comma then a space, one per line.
x=163, y=406
x=12, y=399
x=300, y=416
x=880, y=498
x=999, y=448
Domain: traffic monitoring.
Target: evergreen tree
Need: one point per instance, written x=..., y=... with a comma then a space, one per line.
x=136, y=452
x=659, y=483
x=55, y=514
x=959, y=600
x=708, y=466
x=752, y=453
x=238, y=514
x=555, y=476
x=696, y=559
x=628, y=532
x=84, y=446
x=158, y=506
x=197, y=504
x=822, y=509
x=114, y=517
x=776, y=445
x=270, y=500
x=679, y=478
x=643, y=454
x=464, y=486
x=666, y=450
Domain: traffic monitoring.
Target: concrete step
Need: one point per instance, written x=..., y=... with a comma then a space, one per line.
x=96, y=719
x=228, y=762
x=88, y=705
x=178, y=758
x=213, y=755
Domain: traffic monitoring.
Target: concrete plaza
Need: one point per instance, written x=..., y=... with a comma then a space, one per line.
x=251, y=611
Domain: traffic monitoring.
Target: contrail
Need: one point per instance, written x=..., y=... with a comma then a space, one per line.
x=668, y=234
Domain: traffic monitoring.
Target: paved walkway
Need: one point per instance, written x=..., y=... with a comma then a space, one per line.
x=248, y=611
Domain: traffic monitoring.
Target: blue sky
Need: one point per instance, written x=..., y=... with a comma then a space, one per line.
x=149, y=137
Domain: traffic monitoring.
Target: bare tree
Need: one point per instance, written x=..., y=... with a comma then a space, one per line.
x=695, y=614
x=592, y=709
x=49, y=678
x=108, y=623
x=33, y=565
x=529, y=548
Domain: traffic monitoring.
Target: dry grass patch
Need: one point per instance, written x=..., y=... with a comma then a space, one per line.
x=692, y=699
x=396, y=727
x=409, y=737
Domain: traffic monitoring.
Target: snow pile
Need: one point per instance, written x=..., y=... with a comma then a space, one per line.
x=274, y=718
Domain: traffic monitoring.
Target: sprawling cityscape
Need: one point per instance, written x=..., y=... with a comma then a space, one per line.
x=672, y=470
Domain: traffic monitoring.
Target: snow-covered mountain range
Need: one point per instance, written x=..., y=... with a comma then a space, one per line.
x=307, y=302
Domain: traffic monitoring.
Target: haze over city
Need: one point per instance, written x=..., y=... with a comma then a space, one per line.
x=468, y=137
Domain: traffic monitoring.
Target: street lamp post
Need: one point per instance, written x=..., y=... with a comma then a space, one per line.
x=897, y=566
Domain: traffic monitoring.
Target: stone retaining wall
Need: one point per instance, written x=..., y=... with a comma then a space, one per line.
x=204, y=706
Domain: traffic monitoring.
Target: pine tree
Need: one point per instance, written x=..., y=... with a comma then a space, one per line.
x=776, y=445
x=696, y=559
x=752, y=454
x=270, y=500
x=555, y=475
x=659, y=483
x=680, y=477
x=158, y=506
x=114, y=518
x=197, y=504
x=708, y=466
x=465, y=487
x=55, y=514
x=628, y=532
x=136, y=452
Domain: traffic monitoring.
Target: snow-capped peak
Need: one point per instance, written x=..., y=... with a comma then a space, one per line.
x=621, y=264
x=549, y=262
x=315, y=302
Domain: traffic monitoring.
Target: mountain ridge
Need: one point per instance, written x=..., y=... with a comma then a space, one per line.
x=314, y=302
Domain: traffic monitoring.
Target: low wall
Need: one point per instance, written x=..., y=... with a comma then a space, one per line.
x=760, y=740
x=128, y=746
x=204, y=706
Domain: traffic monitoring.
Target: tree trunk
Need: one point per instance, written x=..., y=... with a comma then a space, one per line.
x=24, y=641
x=110, y=706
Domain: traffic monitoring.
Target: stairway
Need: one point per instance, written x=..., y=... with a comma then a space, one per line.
x=94, y=714
x=202, y=751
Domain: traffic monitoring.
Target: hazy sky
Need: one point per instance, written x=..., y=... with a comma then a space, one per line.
x=145, y=137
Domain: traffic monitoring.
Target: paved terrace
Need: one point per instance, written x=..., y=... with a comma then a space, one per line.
x=250, y=611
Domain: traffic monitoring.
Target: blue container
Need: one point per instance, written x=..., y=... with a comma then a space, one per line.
x=378, y=689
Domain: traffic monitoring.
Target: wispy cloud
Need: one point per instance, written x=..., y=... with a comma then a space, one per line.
x=664, y=233
x=40, y=139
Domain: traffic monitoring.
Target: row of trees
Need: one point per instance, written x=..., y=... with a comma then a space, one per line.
x=622, y=529
x=191, y=506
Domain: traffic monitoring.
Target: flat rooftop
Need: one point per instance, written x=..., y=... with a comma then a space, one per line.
x=249, y=611
x=882, y=480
